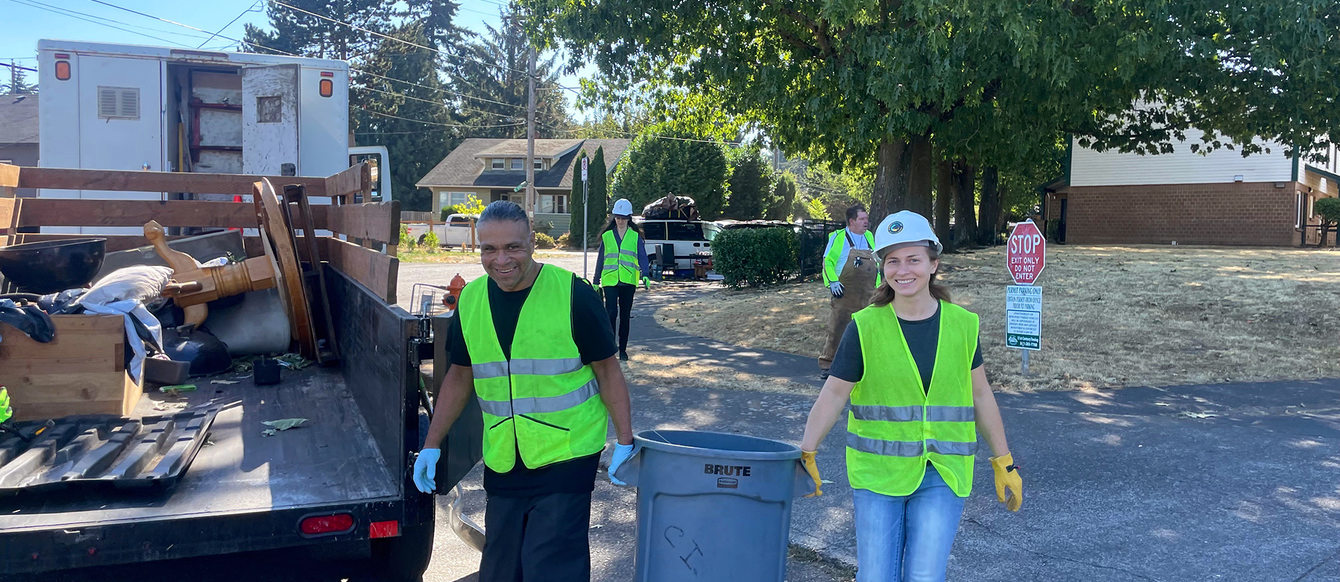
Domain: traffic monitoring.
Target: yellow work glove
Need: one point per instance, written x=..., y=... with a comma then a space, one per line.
x=646, y=284
x=1007, y=479
x=807, y=461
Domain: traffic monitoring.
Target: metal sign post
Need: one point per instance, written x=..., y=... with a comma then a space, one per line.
x=586, y=209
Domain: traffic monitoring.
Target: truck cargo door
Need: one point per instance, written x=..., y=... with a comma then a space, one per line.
x=270, y=120
x=120, y=119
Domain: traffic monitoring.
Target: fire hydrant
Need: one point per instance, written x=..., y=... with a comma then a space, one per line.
x=454, y=292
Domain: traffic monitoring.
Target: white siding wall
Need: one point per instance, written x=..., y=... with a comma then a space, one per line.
x=1112, y=168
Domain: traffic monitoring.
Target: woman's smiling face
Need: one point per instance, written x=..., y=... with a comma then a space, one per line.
x=908, y=269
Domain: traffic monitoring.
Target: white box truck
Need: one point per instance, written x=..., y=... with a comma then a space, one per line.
x=130, y=107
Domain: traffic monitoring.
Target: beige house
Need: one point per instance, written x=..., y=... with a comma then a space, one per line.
x=494, y=169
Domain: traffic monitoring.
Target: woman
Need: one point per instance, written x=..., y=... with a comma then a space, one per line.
x=621, y=261
x=911, y=434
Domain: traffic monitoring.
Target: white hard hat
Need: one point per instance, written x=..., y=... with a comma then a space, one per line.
x=622, y=207
x=904, y=227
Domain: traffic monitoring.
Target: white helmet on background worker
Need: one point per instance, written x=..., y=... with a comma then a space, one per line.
x=622, y=207
x=905, y=227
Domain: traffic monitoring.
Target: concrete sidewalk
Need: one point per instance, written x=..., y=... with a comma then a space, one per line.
x=1232, y=482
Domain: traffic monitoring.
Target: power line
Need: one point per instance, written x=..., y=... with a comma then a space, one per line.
x=82, y=16
x=230, y=22
x=451, y=125
x=221, y=35
x=17, y=67
x=402, y=41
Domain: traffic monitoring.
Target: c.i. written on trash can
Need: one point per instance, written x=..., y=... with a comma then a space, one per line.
x=712, y=506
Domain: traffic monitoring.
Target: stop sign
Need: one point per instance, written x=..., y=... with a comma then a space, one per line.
x=1025, y=253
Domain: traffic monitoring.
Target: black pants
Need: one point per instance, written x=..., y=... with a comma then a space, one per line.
x=533, y=539
x=619, y=301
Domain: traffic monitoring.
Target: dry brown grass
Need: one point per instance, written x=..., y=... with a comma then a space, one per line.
x=1113, y=316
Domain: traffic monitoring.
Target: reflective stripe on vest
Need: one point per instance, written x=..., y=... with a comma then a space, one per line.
x=543, y=405
x=895, y=426
x=620, y=259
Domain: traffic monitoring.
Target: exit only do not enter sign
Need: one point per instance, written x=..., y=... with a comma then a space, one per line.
x=1025, y=253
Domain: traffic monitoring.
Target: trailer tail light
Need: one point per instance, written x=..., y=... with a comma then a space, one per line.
x=63, y=70
x=384, y=529
x=327, y=85
x=319, y=525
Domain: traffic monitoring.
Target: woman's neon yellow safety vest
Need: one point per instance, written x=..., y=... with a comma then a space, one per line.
x=620, y=259
x=895, y=426
x=544, y=402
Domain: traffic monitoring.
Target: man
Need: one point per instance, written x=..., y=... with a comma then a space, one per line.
x=851, y=274
x=532, y=343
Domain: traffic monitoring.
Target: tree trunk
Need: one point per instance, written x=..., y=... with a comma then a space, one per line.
x=891, y=172
x=944, y=201
x=921, y=177
x=992, y=211
x=965, y=205
x=903, y=178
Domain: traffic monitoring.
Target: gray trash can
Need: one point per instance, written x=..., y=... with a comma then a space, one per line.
x=712, y=506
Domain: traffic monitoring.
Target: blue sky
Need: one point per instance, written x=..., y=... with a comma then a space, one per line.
x=29, y=20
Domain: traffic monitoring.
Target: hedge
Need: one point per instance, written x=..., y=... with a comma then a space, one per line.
x=755, y=257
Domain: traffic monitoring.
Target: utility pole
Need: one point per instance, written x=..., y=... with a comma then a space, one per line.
x=530, y=138
x=13, y=77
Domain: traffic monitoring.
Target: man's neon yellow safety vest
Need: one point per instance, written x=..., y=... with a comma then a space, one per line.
x=620, y=259
x=543, y=402
x=895, y=426
x=835, y=247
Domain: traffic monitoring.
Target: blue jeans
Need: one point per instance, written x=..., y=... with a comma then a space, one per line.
x=906, y=538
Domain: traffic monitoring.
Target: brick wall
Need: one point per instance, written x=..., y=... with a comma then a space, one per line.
x=1246, y=213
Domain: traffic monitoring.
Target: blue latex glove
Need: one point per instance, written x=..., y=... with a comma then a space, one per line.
x=425, y=470
x=621, y=455
x=836, y=288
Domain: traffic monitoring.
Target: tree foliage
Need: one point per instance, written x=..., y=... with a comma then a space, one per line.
x=597, y=207
x=783, y=197
x=654, y=167
x=398, y=117
x=863, y=81
x=18, y=82
x=749, y=185
x=492, y=76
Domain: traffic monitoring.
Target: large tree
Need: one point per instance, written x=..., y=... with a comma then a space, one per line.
x=597, y=194
x=865, y=81
x=661, y=162
x=294, y=32
x=749, y=184
x=412, y=121
x=492, y=82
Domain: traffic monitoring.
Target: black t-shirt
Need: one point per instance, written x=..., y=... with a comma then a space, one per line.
x=595, y=341
x=921, y=336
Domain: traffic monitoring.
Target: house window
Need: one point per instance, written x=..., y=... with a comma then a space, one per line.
x=118, y=103
x=554, y=203
x=539, y=164
x=449, y=199
x=497, y=164
x=516, y=164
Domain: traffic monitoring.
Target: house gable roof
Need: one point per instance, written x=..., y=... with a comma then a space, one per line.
x=464, y=166
x=18, y=119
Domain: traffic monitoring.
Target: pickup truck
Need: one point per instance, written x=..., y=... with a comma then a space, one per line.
x=455, y=232
x=338, y=486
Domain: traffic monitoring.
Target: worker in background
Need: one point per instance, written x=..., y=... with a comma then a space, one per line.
x=620, y=264
x=850, y=275
x=911, y=434
x=530, y=343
